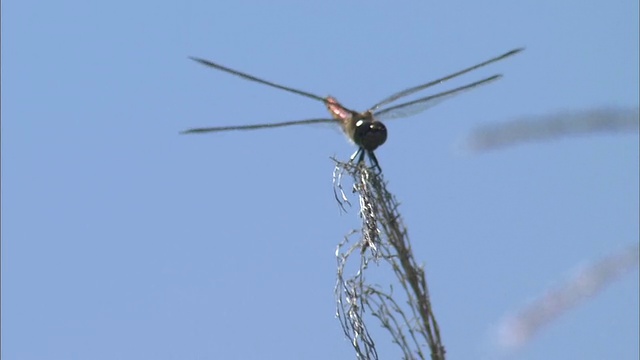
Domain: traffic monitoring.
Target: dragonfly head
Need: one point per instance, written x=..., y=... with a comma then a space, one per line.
x=369, y=134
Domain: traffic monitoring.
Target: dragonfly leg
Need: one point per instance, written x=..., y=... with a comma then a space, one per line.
x=361, y=157
x=358, y=152
x=374, y=161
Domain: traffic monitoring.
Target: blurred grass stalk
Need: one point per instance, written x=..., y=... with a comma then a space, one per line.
x=553, y=126
x=517, y=329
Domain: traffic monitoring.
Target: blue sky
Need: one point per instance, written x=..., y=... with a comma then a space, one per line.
x=123, y=240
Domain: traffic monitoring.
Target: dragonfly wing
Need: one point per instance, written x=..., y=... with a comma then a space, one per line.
x=256, y=126
x=422, y=104
x=256, y=79
x=415, y=89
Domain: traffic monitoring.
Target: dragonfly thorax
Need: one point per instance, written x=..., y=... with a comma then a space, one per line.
x=369, y=134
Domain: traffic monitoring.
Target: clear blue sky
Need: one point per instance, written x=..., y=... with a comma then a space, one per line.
x=123, y=240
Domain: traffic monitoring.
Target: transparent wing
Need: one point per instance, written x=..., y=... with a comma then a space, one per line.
x=412, y=90
x=258, y=80
x=422, y=104
x=256, y=126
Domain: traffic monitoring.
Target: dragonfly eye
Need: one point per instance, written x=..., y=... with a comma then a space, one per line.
x=370, y=134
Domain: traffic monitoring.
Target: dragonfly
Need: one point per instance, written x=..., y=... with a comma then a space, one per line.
x=365, y=129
